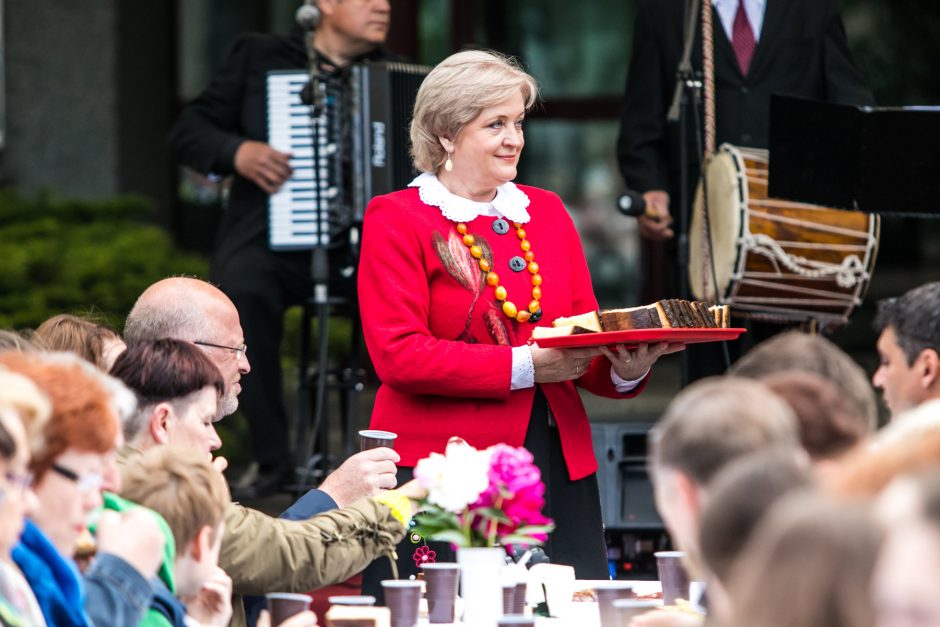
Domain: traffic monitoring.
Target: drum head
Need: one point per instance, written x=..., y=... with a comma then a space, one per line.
x=726, y=206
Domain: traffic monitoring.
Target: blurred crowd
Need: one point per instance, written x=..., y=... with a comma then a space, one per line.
x=789, y=502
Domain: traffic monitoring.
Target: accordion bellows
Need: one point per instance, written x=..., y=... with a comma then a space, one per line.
x=663, y=314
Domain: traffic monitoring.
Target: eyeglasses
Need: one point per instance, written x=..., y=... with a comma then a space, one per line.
x=19, y=480
x=86, y=482
x=240, y=351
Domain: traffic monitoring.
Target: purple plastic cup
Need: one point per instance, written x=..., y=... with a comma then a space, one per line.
x=283, y=605
x=672, y=576
x=441, y=579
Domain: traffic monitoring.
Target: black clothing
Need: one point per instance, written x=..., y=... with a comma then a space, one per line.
x=802, y=51
x=261, y=283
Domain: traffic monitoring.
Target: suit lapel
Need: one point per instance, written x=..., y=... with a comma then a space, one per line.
x=770, y=33
x=723, y=42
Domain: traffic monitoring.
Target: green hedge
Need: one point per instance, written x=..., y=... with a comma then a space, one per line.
x=62, y=256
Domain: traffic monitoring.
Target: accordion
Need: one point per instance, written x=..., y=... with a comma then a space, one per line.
x=356, y=148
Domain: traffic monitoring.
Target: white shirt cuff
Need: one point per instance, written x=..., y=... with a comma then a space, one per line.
x=622, y=385
x=523, y=370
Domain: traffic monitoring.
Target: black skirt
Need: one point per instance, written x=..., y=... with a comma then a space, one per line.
x=578, y=538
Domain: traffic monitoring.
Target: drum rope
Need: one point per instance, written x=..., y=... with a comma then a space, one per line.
x=847, y=273
x=708, y=66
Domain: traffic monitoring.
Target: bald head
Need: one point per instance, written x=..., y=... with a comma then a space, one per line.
x=194, y=311
x=179, y=308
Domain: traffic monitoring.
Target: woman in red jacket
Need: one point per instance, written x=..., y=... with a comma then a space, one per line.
x=456, y=271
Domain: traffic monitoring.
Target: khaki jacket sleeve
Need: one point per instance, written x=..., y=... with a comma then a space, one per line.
x=263, y=554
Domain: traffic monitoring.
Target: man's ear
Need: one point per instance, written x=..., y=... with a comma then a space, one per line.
x=159, y=421
x=689, y=495
x=929, y=365
x=201, y=545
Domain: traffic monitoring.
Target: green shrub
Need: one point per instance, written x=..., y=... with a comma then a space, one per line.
x=62, y=255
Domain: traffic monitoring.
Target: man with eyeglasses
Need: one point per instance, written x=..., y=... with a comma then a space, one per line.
x=909, y=348
x=197, y=312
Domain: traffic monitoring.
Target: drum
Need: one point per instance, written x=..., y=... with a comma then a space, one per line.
x=773, y=259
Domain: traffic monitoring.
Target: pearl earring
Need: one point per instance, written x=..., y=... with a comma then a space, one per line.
x=448, y=165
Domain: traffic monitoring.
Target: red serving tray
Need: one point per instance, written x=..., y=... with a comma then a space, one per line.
x=637, y=336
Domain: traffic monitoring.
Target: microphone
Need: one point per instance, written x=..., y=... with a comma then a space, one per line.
x=308, y=17
x=631, y=203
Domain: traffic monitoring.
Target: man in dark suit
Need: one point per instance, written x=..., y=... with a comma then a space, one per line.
x=224, y=132
x=761, y=47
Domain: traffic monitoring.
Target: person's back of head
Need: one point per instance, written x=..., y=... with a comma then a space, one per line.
x=814, y=354
x=829, y=424
x=808, y=564
x=739, y=497
x=87, y=338
x=182, y=486
x=907, y=446
x=717, y=420
x=163, y=371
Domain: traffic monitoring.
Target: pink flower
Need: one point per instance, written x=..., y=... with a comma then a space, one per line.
x=424, y=555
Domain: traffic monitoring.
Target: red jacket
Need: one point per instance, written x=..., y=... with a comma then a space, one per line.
x=440, y=345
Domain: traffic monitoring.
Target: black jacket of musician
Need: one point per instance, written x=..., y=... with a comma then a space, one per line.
x=231, y=110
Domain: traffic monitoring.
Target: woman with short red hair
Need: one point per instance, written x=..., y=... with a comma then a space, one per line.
x=67, y=468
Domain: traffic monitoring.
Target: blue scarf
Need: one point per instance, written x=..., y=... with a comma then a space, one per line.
x=55, y=580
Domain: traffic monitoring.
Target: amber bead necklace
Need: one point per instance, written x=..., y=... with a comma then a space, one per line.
x=509, y=308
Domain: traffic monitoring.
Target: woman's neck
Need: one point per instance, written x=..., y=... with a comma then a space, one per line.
x=455, y=185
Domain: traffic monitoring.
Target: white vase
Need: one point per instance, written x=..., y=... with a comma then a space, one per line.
x=481, y=584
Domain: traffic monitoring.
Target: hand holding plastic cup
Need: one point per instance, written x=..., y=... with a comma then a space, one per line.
x=373, y=438
x=283, y=605
x=672, y=575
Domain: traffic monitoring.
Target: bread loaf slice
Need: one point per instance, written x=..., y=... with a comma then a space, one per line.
x=630, y=318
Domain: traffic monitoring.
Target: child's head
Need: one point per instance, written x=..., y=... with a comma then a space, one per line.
x=183, y=487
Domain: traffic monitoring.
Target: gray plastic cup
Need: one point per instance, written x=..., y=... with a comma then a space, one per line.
x=352, y=600
x=516, y=621
x=283, y=605
x=441, y=579
x=607, y=592
x=373, y=438
x=672, y=576
x=626, y=609
x=402, y=598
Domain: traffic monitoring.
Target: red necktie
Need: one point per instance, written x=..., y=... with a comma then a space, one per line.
x=742, y=38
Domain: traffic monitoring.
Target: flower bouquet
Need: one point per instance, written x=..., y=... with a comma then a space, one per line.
x=482, y=498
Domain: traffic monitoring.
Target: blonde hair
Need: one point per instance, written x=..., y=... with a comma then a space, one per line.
x=182, y=486
x=23, y=397
x=717, y=420
x=455, y=92
x=85, y=337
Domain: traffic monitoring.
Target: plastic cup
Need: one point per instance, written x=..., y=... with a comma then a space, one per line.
x=441, y=579
x=626, y=609
x=402, y=598
x=514, y=598
x=352, y=600
x=283, y=605
x=672, y=575
x=607, y=592
x=372, y=438
x=517, y=621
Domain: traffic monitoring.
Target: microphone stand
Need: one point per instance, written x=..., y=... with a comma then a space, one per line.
x=313, y=96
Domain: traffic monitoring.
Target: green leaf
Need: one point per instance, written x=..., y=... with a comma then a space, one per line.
x=449, y=535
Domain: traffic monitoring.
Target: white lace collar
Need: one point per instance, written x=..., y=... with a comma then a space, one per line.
x=510, y=201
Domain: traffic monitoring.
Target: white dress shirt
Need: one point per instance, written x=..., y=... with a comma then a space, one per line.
x=754, y=9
